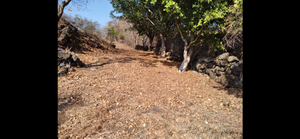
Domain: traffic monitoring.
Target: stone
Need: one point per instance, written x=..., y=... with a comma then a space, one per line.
x=223, y=62
x=227, y=70
x=62, y=71
x=222, y=69
x=210, y=65
x=240, y=65
x=229, y=80
x=203, y=66
x=221, y=73
x=235, y=71
x=232, y=59
x=62, y=64
x=232, y=65
x=217, y=68
x=223, y=56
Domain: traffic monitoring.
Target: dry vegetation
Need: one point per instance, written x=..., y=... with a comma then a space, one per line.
x=134, y=94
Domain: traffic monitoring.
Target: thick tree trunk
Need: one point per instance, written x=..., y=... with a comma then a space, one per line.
x=61, y=8
x=163, y=47
x=186, y=58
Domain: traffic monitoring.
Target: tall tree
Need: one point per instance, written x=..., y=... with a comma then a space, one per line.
x=198, y=22
x=147, y=18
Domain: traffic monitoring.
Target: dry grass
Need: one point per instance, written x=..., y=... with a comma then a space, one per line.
x=133, y=94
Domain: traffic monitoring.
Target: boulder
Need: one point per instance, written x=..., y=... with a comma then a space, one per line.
x=232, y=59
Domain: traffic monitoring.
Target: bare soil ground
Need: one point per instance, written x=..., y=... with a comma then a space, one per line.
x=134, y=94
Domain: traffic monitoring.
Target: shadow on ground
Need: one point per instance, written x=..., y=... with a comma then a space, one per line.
x=68, y=102
x=237, y=92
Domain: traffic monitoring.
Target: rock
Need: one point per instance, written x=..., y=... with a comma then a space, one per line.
x=205, y=59
x=235, y=71
x=170, y=58
x=229, y=80
x=203, y=66
x=217, y=68
x=168, y=53
x=227, y=70
x=210, y=65
x=222, y=62
x=62, y=64
x=66, y=61
x=220, y=73
x=232, y=58
x=208, y=71
x=232, y=65
x=212, y=75
x=223, y=56
x=240, y=65
x=63, y=71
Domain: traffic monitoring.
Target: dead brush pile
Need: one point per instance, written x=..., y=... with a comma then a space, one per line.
x=133, y=94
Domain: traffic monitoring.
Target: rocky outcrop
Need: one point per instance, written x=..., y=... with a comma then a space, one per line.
x=224, y=69
x=66, y=60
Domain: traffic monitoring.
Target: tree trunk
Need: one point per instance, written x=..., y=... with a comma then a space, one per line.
x=61, y=8
x=186, y=58
x=151, y=40
x=163, y=47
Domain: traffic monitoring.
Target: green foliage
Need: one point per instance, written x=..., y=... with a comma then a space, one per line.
x=192, y=15
x=147, y=18
x=234, y=21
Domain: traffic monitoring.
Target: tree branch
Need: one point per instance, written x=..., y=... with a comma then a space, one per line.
x=150, y=21
x=61, y=8
x=200, y=41
x=197, y=35
x=180, y=32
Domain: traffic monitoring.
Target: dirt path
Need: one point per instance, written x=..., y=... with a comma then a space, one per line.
x=134, y=94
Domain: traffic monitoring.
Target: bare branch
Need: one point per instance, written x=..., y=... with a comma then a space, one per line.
x=61, y=8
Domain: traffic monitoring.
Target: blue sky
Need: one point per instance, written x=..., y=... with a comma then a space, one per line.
x=97, y=10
